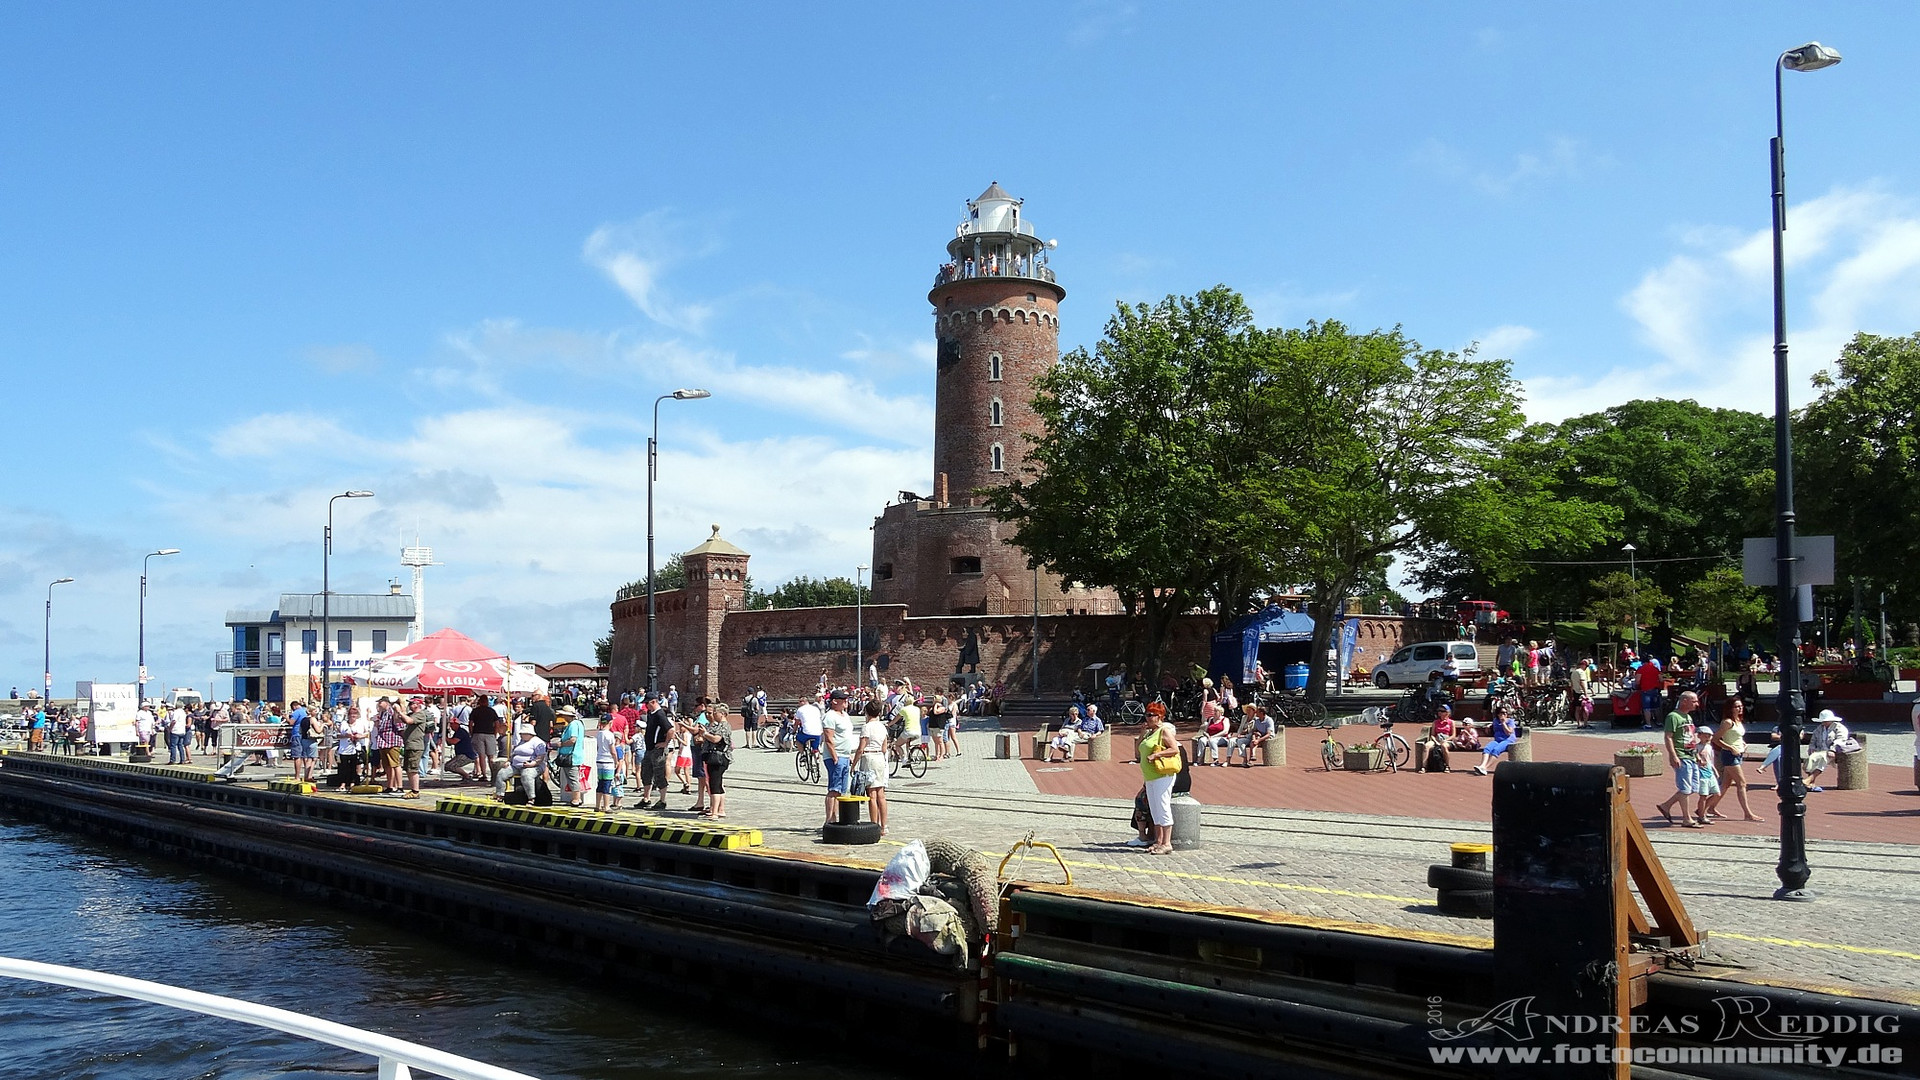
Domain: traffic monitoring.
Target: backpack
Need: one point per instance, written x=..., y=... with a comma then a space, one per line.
x=1437, y=758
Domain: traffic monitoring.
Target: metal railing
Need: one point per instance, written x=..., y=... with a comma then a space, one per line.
x=397, y=1057
x=248, y=660
x=958, y=272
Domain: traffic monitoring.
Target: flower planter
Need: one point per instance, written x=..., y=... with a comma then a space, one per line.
x=1361, y=759
x=1853, y=691
x=1641, y=764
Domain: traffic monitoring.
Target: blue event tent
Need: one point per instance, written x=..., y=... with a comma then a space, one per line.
x=1274, y=637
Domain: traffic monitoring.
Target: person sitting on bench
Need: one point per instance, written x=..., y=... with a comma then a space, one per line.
x=1255, y=729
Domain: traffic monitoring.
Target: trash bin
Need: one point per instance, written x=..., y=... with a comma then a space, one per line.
x=1294, y=677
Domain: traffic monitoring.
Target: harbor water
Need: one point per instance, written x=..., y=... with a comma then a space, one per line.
x=69, y=899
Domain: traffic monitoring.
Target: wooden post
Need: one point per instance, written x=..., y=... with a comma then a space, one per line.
x=1560, y=948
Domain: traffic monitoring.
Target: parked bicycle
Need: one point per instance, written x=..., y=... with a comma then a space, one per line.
x=1395, y=752
x=1291, y=711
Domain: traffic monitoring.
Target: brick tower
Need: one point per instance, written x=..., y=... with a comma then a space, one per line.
x=716, y=584
x=996, y=320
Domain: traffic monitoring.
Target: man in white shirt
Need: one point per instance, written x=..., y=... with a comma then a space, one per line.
x=837, y=744
x=808, y=718
x=143, y=728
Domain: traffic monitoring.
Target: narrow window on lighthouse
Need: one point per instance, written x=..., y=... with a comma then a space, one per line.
x=993, y=368
x=993, y=413
x=998, y=457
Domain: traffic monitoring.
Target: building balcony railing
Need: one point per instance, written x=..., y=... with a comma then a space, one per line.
x=1006, y=268
x=248, y=660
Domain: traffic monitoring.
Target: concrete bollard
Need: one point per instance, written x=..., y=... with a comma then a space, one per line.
x=1522, y=748
x=1852, y=768
x=1186, y=822
x=1100, y=747
x=1003, y=744
x=1273, y=751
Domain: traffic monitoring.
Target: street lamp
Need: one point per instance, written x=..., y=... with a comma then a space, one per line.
x=46, y=698
x=144, y=564
x=653, y=471
x=326, y=601
x=859, y=628
x=1793, y=870
x=1633, y=595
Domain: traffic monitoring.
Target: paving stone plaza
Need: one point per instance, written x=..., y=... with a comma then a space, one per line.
x=1864, y=929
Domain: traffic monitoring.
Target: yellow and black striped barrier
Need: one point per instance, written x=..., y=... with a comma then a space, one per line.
x=291, y=787
x=697, y=834
x=88, y=761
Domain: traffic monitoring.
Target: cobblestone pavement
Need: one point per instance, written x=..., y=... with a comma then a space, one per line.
x=1864, y=928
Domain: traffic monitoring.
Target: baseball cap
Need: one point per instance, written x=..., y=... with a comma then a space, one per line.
x=838, y=695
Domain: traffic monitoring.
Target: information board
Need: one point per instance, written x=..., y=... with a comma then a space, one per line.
x=110, y=712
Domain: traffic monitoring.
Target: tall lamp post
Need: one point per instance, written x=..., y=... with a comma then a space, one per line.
x=1793, y=870
x=859, y=628
x=141, y=695
x=326, y=601
x=46, y=671
x=653, y=472
x=1633, y=595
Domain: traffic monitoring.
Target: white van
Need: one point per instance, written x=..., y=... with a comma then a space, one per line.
x=1414, y=663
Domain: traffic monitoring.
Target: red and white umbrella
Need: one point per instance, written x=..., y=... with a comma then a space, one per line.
x=443, y=662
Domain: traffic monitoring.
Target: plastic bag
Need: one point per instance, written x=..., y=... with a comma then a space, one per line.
x=904, y=875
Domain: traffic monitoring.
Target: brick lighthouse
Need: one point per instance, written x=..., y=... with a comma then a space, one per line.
x=996, y=311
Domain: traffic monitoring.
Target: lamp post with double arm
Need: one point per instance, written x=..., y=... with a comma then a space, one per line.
x=145, y=564
x=326, y=601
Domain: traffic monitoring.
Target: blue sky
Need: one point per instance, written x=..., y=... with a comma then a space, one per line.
x=251, y=255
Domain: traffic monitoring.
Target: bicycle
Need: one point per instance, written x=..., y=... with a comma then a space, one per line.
x=806, y=763
x=1394, y=750
x=1132, y=711
x=916, y=760
x=1292, y=711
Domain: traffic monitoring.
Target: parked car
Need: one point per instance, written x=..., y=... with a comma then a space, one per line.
x=1414, y=663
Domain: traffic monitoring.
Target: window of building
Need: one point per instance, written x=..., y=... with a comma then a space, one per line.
x=1032, y=298
x=967, y=564
x=883, y=572
x=309, y=641
x=994, y=413
x=345, y=644
x=379, y=641
x=993, y=368
x=997, y=459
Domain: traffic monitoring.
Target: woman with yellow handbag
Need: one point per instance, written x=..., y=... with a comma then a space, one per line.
x=1160, y=764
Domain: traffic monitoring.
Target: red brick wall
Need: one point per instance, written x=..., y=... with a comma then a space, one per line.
x=914, y=548
x=923, y=649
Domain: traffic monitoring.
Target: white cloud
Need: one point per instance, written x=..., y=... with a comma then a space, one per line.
x=635, y=255
x=342, y=359
x=1561, y=157
x=1503, y=341
x=1705, y=315
x=1096, y=20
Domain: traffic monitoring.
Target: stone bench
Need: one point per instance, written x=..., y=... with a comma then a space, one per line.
x=1098, y=748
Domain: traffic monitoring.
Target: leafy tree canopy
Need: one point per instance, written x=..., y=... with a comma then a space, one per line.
x=1857, y=463
x=804, y=591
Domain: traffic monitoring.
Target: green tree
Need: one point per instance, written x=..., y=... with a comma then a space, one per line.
x=804, y=591
x=1620, y=603
x=603, y=651
x=1405, y=458
x=1721, y=601
x=1857, y=466
x=671, y=574
x=1147, y=481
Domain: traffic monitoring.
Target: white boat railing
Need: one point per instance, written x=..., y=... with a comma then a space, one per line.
x=397, y=1057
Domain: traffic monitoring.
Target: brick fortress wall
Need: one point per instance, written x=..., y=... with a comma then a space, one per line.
x=923, y=649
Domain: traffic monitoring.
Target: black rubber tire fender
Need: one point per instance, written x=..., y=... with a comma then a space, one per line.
x=1467, y=903
x=860, y=832
x=1442, y=876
